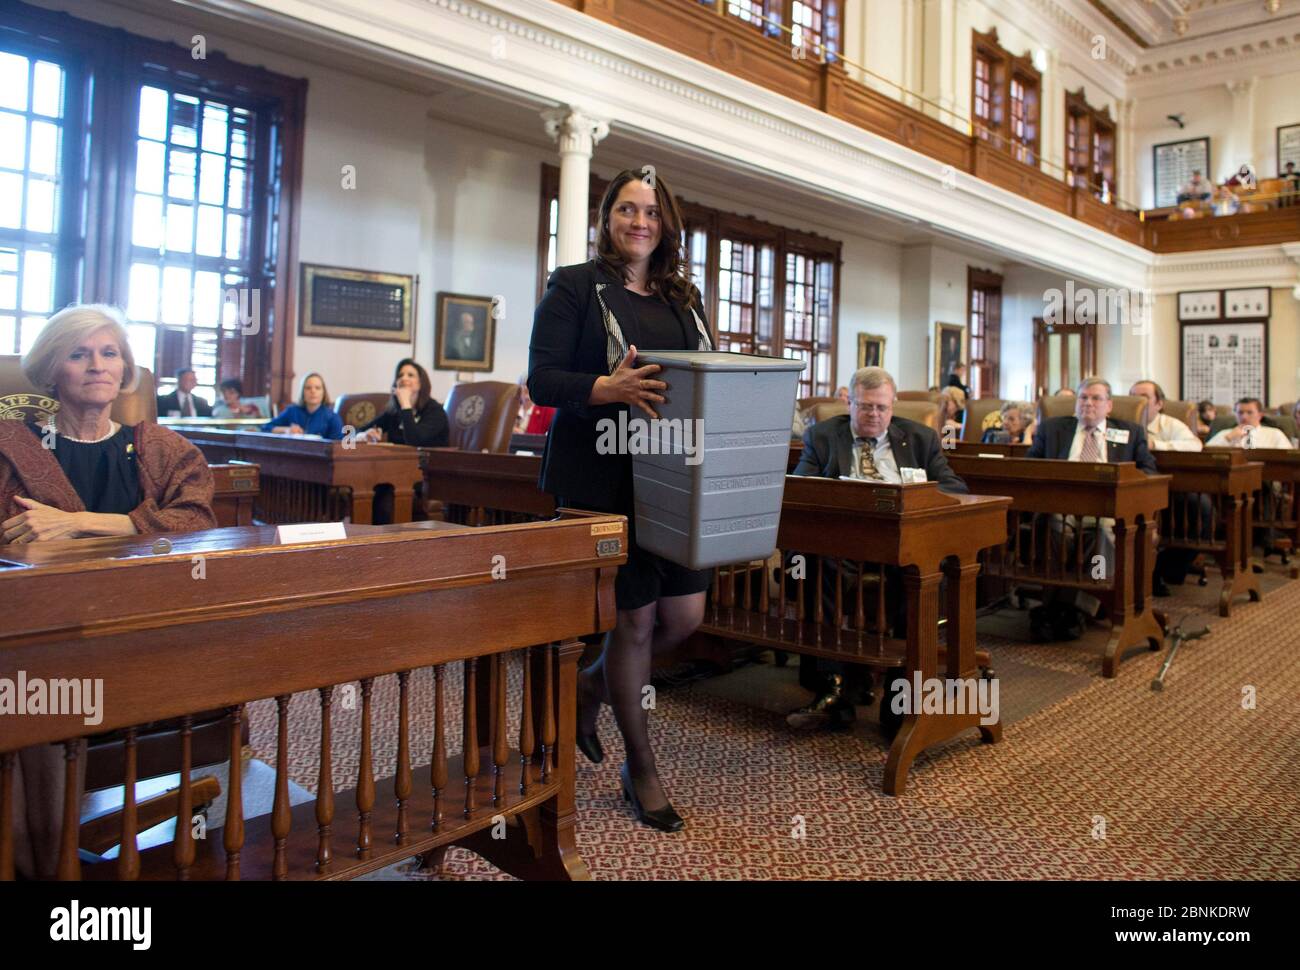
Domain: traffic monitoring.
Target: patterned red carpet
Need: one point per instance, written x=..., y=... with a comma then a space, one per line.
x=1094, y=778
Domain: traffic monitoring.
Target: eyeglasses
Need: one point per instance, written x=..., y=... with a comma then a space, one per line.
x=870, y=408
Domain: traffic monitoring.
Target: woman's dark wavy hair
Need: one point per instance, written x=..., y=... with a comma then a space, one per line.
x=669, y=272
x=426, y=389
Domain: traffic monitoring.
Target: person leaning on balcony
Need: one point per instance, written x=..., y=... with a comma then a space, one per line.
x=83, y=475
x=593, y=318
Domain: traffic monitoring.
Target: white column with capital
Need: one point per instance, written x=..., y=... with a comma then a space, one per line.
x=1126, y=157
x=577, y=134
x=1240, y=147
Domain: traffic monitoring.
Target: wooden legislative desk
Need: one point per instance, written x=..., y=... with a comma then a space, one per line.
x=481, y=488
x=235, y=488
x=268, y=621
x=313, y=480
x=926, y=533
x=1277, y=503
x=1211, y=497
x=1045, y=490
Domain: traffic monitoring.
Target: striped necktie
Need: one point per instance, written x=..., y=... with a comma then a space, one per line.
x=1091, y=449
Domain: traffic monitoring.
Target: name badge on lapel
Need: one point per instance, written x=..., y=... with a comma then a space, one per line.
x=1117, y=436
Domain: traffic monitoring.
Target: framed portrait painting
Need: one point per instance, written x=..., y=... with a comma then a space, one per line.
x=464, y=335
x=871, y=350
x=949, y=349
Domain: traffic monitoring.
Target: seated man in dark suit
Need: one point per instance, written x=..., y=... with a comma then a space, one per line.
x=183, y=402
x=1092, y=435
x=868, y=443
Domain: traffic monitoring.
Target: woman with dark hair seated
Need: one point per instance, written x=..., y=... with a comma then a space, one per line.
x=313, y=414
x=230, y=405
x=412, y=417
x=82, y=474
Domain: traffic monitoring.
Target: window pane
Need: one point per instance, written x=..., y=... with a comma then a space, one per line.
x=13, y=81
x=234, y=237
x=45, y=148
x=142, y=303
x=207, y=299
x=31, y=330
x=13, y=139
x=149, y=159
x=180, y=177
x=47, y=94
x=180, y=228
x=8, y=285
x=239, y=135
x=208, y=241
x=214, y=127
x=212, y=179
x=185, y=119
x=11, y=200
x=239, y=187
x=142, y=339
x=153, y=113
x=147, y=221
x=8, y=335
x=38, y=280
x=40, y=205
x=176, y=295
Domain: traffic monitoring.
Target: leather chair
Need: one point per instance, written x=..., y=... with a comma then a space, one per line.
x=360, y=409
x=932, y=396
x=830, y=408
x=924, y=412
x=1055, y=406
x=482, y=415
x=977, y=412
x=1125, y=407
x=1184, y=411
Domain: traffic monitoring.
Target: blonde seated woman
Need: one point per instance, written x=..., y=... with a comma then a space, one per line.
x=82, y=474
x=952, y=402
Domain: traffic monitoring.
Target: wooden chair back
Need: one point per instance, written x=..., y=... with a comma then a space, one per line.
x=360, y=409
x=482, y=415
x=932, y=396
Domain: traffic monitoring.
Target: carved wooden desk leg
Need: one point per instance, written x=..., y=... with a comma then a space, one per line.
x=559, y=815
x=963, y=578
x=917, y=731
x=363, y=506
x=1134, y=618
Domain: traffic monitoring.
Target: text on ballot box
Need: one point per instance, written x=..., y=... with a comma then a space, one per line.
x=718, y=500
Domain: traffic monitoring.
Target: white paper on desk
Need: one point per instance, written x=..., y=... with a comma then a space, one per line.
x=286, y=535
x=985, y=454
x=912, y=476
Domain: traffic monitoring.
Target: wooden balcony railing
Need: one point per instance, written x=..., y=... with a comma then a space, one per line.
x=695, y=29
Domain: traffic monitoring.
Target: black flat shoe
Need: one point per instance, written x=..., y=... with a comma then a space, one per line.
x=664, y=819
x=589, y=744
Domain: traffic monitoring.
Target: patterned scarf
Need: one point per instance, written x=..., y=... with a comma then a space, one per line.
x=616, y=343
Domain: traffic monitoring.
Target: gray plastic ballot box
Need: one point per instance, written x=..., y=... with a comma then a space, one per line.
x=708, y=477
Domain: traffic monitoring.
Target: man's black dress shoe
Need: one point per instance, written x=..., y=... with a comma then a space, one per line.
x=831, y=709
x=1159, y=587
x=664, y=819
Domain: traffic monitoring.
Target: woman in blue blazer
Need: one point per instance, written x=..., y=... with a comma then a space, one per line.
x=313, y=414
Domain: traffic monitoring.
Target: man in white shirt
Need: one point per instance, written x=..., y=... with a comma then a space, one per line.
x=1163, y=432
x=1250, y=431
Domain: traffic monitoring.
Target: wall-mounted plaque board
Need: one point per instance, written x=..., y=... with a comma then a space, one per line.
x=1174, y=163
x=1200, y=305
x=1288, y=146
x=1224, y=362
x=336, y=302
x=1252, y=304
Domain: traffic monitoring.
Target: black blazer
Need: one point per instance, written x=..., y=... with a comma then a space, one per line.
x=431, y=431
x=828, y=451
x=1054, y=436
x=565, y=356
x=169, y=402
